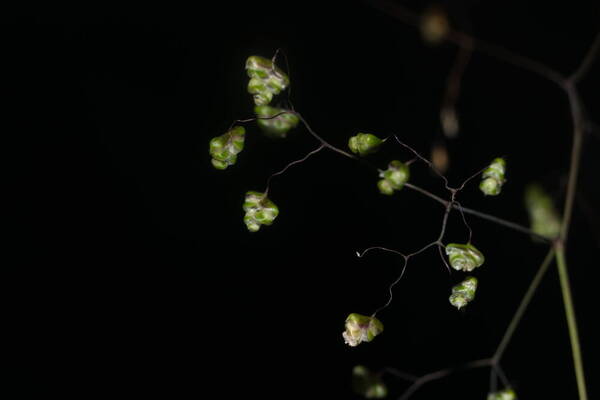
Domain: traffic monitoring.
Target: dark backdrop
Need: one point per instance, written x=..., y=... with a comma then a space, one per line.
x=135, y=273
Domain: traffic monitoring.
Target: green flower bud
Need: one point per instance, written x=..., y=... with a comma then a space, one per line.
x=385, y=187
x=464, y=257
x=394, y=177
x=493, y=178
x=490, y=186
x=266, y=79
x=364, y=143
x=360, y=328
x=224, y=148
x=506, y=394
x=464, y=292
x=259, y=211
x=279, y=126
x=543, y=216
x=365, y=383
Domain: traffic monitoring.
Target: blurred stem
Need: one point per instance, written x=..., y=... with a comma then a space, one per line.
x=577, y=117
x=571, y=321
x=523, y=306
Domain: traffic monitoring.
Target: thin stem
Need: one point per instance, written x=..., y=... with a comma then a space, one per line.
x=486, y=362
x=522, y=307
x=479, y=214
x=405, y=258
x=391, y=288
x=493, y=380
x=321, y=140
x=443, y=230
x=503, y=222
x=587, y=60
x=426, y=161
x=257, y=118
x=461, y=39
x=482, y=215
x=399, y=374
x=287, y=71
x=571, y=321
x=448, y=118
x=577, y=117
x=321, y=147
x=426, y=193
x=462, y=214
x=496, y=367
x=466, y=41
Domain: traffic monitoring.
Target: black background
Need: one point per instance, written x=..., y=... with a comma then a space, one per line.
x=135, y=274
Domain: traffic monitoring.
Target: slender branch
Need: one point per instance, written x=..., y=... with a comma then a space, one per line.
x=391, y=288
x=323, y=141
x=486, y=362
x=576, y=114
x=405, y=258
x=523, y=306
x=448, y=118
x=587, y=60
x=479, y=214
x=503, y=222
x=426, y=193
x=426, y=161
x=498, y=369
x=493, y=380
x=287, y=71
x=466, y=41
x=571, y=321
x=462, y=39
x=257, y=118
x=462, y=214
x=400, y=374
x=321, y=147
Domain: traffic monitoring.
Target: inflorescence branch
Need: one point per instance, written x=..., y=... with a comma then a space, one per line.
x=467, y=44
